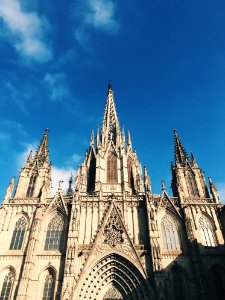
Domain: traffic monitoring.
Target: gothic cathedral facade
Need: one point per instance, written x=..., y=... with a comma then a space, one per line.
x=109, y=237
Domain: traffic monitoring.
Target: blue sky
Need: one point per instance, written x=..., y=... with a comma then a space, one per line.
x=166, y=61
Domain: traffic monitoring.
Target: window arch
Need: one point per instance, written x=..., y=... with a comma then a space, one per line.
x=170, y=233
x=206, y=231
x=48, y=288
x=112, y=168
x=7, y=286
x=130, y=174
x=193, y=189
x=54, y=236
x=18, y=234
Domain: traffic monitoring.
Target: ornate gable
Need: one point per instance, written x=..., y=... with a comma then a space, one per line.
x=58, y=203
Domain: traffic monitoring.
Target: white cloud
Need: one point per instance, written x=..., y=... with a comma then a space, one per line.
x=98, y=14
x=57, y=86
x=61, y=174
x=101, y=15
x=26, y=30
x=221, y=191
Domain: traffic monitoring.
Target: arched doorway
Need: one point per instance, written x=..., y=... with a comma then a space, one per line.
x=114, y=278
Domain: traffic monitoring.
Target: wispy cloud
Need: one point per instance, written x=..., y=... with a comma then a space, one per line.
x=25, y=30
x=61, y=174
x=97, y=14
x=57, y=86
x=221, y=191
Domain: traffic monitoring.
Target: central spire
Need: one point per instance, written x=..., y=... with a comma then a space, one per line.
x=110, y=125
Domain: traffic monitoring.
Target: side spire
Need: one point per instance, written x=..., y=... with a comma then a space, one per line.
x=180, y=154
x=42, y=154
x=110, y=125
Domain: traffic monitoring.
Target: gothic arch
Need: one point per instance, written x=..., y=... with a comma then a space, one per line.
x=17, y=217
x=48, y=273
x=115, y=271
x=206, y=227
x=7, y=280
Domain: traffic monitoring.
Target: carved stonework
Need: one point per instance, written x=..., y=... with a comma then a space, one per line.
x=112, y=293
x=113, y=230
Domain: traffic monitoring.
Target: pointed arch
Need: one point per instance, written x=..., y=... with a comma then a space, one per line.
x=18, y=234
x=130, y=174
x=91, y=174
x=7, y=281
x=55, y=233
x=207, y=235
x=113, y=271
x=32, y=183
x=112, y=176
x=48, y=280
x=192, y=185
x=170, y=229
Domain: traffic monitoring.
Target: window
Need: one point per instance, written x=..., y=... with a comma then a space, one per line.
x=193, y=190
x=18, y=234
x=7, y=286
x=170, y=233
x=91, y=174
x=206, y=231
x=48, y=287
x=31, y=187
x=130, y=174
x=112, y=168
x=54, y=234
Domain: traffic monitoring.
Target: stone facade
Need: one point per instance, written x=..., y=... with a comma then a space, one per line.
x=110, y=237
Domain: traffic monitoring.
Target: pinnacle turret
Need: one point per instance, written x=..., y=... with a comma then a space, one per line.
x=110, y=125
x=42, y=153
x=179, y=151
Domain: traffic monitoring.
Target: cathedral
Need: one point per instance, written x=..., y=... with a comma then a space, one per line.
x=108, y=236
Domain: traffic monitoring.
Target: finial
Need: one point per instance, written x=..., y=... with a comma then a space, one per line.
x=60, y=185
x=163, y=185
x=92, y=140
x=70, y=190
x=109, y=86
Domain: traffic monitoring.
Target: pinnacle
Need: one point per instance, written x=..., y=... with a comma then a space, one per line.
x=179, y=151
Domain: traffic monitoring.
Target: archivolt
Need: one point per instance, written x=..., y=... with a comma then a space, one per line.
x=114, y=270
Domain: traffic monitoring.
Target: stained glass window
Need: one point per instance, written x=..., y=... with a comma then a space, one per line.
x=170, y=233
x=54, y=236
x=7, y=286
x=18, y=234
x=206, y=231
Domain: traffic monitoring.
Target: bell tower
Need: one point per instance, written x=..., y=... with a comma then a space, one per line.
x=110, y=164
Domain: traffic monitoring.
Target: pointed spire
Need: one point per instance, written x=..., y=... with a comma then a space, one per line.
x=42, y=154
x=92, y=139
x=163, y=185
x=147, y=181
x=129, y=143
x=9, y=190
x=193, y=160
x=110, y=125
x=29, y=159
x=213, y=191
x=179, y=151
x=70, y=190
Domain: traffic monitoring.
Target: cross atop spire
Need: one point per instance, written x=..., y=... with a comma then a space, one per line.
x=179, y=151
x=110, y=125
x=42, y=154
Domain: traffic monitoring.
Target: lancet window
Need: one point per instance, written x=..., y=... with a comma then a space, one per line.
x=7, y=286
x=54, y=236
x=170, y=233
x=193, y=189
x=207, y=235
x=48, y=290
x=18, y=234
x=112, y=176
x=130, y=174
x=31, y=187
x=91, y=175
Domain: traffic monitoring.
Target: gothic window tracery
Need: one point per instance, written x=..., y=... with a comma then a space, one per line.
x=48, y=287
x=54, y=236
x=170, y=233
x=192, y=185
x=112, y=168
x=18, y=234
x=7, y=286
x=31, y=187
x=206, y=230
